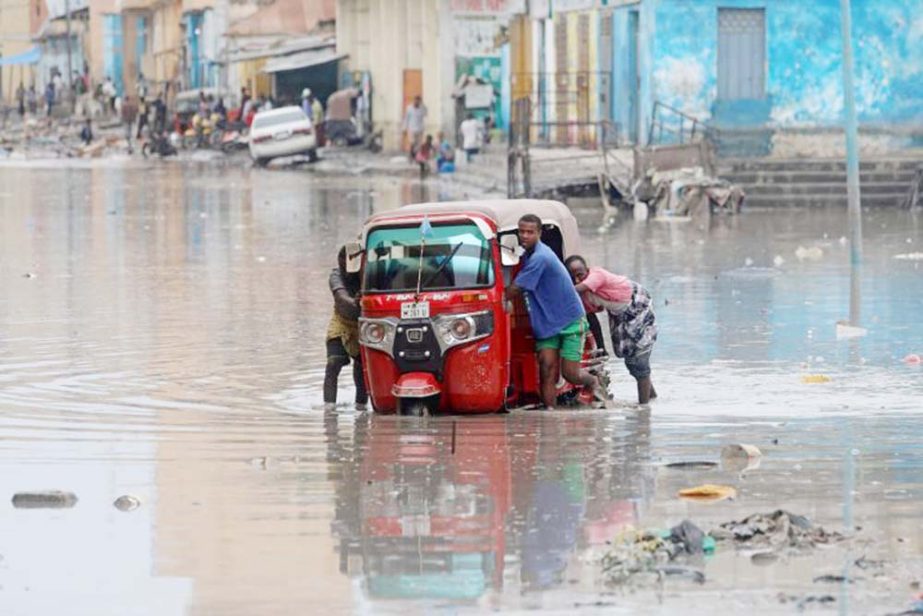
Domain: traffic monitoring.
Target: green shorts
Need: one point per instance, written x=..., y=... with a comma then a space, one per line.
x=569, y=341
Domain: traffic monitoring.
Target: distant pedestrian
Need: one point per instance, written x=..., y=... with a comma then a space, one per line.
x=244, y=101
x=632, y=326
x=414, y=125
x=425, y=152
x=160, y=115
x=86, y=133
x=21, y=99
x=32, y=99
x=143, y=111
x=49, y=96
x=317, y=119
x=472, y=131
x=109, y=94
x=141, y=87
x=445, y=156
x=129, y=114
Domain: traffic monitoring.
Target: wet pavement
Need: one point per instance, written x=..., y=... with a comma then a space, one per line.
x=161, y=336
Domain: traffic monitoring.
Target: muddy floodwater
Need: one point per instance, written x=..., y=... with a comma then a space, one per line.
x=161, y=338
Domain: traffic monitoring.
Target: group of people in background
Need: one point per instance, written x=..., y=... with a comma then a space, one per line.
x=474, y=133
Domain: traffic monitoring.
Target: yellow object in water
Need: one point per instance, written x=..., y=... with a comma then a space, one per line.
x=708, y=492
x=815, y=378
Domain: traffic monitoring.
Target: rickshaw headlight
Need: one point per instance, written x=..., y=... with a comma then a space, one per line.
x=378, y=334
x=456, y=329
x=461, y=328
x=374, y=333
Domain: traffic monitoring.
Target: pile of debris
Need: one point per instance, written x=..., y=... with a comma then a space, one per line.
x=637, y=556
x=776, y=531
x=687, y=192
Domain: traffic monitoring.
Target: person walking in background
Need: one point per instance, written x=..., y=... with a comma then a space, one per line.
x=343, y=334
x=32, y=99
x=49, y=97
x=632, y=325
x=472, y=131
x=424, y=153
x=414, y=125
x=21, y=100
x=317, y=118
x=142, y=116
x=160, y=115
x=129, y=114
x=109, y=94
x=141, y=88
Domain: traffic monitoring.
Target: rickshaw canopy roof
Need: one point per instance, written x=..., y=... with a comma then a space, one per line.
x=504, y=212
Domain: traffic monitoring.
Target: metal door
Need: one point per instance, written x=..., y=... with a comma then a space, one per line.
x=741, y=54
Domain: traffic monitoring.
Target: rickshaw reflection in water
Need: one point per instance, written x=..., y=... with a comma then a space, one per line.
x=436, y=332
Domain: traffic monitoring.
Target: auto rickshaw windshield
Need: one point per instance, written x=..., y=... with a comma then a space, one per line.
x=453, y=256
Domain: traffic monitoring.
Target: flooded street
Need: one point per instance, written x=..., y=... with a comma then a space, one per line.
x=162, y=336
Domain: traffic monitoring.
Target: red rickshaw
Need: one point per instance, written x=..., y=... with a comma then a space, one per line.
x=436, y=333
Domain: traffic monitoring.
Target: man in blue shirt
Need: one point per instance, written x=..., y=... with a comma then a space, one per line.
x=555, y=312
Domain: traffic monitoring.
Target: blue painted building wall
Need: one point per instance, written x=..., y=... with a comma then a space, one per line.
x=678, y=62
x=193, y=50
x=112, y=50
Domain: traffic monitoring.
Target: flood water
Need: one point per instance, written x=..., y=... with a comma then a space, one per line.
x=161, y=335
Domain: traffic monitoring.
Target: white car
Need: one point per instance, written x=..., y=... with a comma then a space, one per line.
x=285, y=131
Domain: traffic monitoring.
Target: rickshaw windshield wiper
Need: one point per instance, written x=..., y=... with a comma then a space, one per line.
x=441, y=267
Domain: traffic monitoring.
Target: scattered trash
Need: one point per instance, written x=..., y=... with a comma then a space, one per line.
x=913, y=359
x=28, y=275
x=832, y=579
x=910, y=256
x=776, y=530
x=708, y=492
x=845, y=330
x=778, y=261
x=748, y=262
x=740, y=457
x=804, y=601
x=696, y=575
x=763, y=559
x=52, y=499
x=126, y=503
x=695, y=465
x=655, y=553
x=689, y=536
x=740, y=451
x=808, y=254
x=815, y=378
x=866, y=563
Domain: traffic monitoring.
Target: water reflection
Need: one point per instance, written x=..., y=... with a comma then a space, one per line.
x=436, y=510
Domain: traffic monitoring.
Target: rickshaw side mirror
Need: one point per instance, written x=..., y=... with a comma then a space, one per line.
x=510, y=250
x=353, y=257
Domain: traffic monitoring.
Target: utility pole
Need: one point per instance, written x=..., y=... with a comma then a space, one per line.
x=852, y=160
x=69, y=79
x=852, y=152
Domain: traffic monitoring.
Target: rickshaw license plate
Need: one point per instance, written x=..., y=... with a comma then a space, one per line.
x=414, y=310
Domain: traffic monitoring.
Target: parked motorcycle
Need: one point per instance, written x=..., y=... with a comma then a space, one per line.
x=231, y=137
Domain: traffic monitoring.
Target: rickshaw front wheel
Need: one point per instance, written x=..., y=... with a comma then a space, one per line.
x=414, y=407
